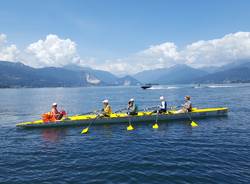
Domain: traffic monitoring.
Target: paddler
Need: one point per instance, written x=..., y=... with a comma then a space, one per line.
x=162, y=108
x=55, y=113
x=132, y=107
x=187, y=106
x=107, y=110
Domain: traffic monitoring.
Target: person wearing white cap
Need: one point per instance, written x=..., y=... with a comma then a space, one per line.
x=162, y=108
x=107, y=110
x=132, y=107
x=55, y=113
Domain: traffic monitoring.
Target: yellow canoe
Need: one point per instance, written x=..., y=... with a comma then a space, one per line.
x=78, y=120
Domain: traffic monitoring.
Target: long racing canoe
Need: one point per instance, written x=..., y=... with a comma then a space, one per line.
x=78, y=120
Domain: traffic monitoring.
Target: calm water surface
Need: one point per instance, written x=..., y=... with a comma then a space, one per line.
x=218, y=151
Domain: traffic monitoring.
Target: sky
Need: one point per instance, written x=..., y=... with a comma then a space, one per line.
x=124, y=36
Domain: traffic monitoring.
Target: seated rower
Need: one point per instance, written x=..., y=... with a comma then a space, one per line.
x=187, y=106
x=162, y=108
x=55, y=113
x=132, y=107
x=107, y=110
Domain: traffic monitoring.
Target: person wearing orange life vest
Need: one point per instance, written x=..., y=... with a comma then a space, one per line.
x=55, y=113
x=107, y=110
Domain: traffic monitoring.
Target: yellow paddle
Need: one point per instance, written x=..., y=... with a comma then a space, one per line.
x=156, y=126
x=129, y=127
x=85, y=130
x=193, y=123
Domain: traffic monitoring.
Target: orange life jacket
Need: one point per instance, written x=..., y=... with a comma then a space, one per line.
x=48, y=117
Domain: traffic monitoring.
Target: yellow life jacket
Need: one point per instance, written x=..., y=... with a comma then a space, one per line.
x=108, y=110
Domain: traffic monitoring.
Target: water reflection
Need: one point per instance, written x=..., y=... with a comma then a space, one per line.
x=54, y=134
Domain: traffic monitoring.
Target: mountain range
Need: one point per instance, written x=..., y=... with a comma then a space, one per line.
x=182, y=74
x=178, y=74
x=19, y=75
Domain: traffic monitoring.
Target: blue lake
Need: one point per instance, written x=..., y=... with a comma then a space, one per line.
x=217, y=151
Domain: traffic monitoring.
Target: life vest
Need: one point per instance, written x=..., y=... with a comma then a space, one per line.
x=52, y=117
x=48, y=117
x=133, y=108
x=190, y=108
x=107, y=110
x=163, y=106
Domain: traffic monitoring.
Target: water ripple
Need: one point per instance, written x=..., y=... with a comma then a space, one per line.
x=215, y=152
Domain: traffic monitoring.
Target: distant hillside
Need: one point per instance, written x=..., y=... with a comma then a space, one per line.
x=128, y=81
x=107, y=78
x=239, y=63
x=104, y=76
x=181, y=74
x=178, y=74
x=238, y=74
x=148, y=76
x=19, y=75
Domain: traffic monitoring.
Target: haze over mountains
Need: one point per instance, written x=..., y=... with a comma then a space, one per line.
x=181, y=74
x=20, y=75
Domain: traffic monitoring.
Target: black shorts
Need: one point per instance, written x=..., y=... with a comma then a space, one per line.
x=160, y=111
x=132, y=113
x=59, y=116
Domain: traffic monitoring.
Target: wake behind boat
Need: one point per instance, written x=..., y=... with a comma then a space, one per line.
x=116, y=118
x=146, y=86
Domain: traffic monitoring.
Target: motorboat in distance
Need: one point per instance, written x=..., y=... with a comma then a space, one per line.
x=146, y=86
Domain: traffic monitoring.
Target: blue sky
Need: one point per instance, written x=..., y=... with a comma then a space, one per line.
x=112, y=29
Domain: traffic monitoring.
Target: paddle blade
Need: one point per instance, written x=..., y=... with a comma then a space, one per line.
x=130, y=128
x=155, y=126
x=85, y=130
x=194, y=124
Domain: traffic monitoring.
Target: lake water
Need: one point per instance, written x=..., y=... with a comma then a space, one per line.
x=217, y=151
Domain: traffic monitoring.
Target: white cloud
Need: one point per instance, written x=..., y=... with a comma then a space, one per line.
x=3, y=38
x=166, y=50
x=7, y=52
x=156, y=56
x=217, y=52
x=53, y=51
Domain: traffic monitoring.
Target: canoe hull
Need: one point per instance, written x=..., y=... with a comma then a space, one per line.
x=142, y=117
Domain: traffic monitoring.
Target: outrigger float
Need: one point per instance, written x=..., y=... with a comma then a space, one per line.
x=142, y=117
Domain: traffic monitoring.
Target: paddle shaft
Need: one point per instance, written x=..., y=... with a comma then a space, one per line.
x=150, y=108
x=130, y=127
x=187, y=113
x=120, y=110
x=97, y=116
x=189, y=116
x=86, y=113
x=91, y=112
x=129, y=119
x=157, y=116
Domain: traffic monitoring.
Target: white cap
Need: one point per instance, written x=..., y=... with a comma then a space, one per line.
x=105, y=101
x=162, y=98
x=131, y=100
x=54, y=104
